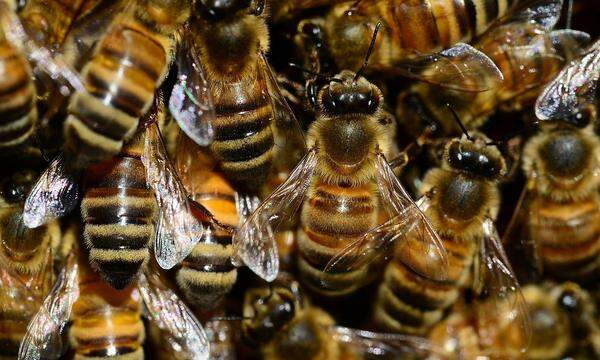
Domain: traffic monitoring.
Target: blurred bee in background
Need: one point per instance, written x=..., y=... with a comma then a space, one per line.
x=27, y=48
x=562, y=318
x=252, y=129
x=105, y=322
x=128, y=201
x=283, y=10
x=280, y=320
x=528, y=55
x=26, y=255
x=207, y=274
x=556, y=220
x=127, y=66
x=343, y=185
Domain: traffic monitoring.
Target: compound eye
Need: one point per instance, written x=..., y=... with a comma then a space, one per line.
x=570, y=302
x=15, y=191
x=222, y=8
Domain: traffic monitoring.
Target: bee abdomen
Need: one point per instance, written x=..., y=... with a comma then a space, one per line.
x=18, y=113
x=13, y=326
x=333, y=217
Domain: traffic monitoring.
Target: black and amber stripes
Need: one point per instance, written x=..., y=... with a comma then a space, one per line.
x=207, y=274
x=118, y=211
x=243, y=135
x=408, y=302
x=18, y=113
x=333, y=216
x=120, y=80
x=106, y=323
x=430, y=25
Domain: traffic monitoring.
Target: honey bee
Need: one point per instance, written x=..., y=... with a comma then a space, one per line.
x=344, y=186
x=236, y=108
x=207, y=274
x=128, y=64
x=281, y=321
x=461, y=200
x=528, y=55
x=26, y=268
x=562, y=317
x=105, y=322
x=129, y=201
x=554, y=224
x=25, y=50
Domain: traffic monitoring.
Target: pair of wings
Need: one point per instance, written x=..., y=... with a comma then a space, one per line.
x=575, y=87
x=192, y=106
x=43, y=339
x=178, y=229
x=255, y=241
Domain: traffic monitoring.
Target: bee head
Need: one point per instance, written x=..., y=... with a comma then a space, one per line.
x=222, y=9
x=268, y=310
x=349, y=95
x=565, y=155
x=476, y=155
x=16, y=187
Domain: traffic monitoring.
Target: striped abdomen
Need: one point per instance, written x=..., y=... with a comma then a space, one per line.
x=409, y=302
x=567, y=236
x=332, y=217
x=106, y=322
x=428, y=26
x=120, y=81
x=207, y=274
x=18, y=113
x=118, y=211
x=243, y=137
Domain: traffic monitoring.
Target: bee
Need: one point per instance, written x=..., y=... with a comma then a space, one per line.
x=528, y=53
x=129, y=202
x=26, y=255
x=207, y=274
x=128, y=64
x=242, y=115
x=105, y=322
x=555, y=221
x=562, y=316
x=345, y=188
x=461, y=201
x=25, y=50
x=281, y=321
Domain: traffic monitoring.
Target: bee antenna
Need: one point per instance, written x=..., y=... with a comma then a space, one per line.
x=460, y=123
x=231, y=318
x=369, y=51
x=569, y=14
x=316, y=74
x=270, y=293
x=352, y=8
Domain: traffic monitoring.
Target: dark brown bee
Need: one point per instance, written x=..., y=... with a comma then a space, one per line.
x=282, y=322
x=128, y=64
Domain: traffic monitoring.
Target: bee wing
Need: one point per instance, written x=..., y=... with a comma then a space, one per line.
x=545, y=13
x=43, y=338
x=387, y=345
x=54, y=195
x=42, y=57
x=177, y=229
x=420, y=246
x=504, y=299
x=191, y=102
x=573, y=88
x=461, y=67
x=185, y=333
x=290, y=146
x=254, y=241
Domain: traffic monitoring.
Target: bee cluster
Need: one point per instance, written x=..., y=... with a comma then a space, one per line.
x=299, y=179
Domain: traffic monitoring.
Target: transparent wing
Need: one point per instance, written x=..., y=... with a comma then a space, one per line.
x=186, y=335
x=54, y=195
x=245, y=205
x=504, y=301
x=191, y=102
x=290, y=146
x=43, y=338
x=42, y=57
x=254, y=241
x=178, y=231
x=419, y=247
x=573, y=88
x=386, y=345
x=461, y=67
x=545, y=13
